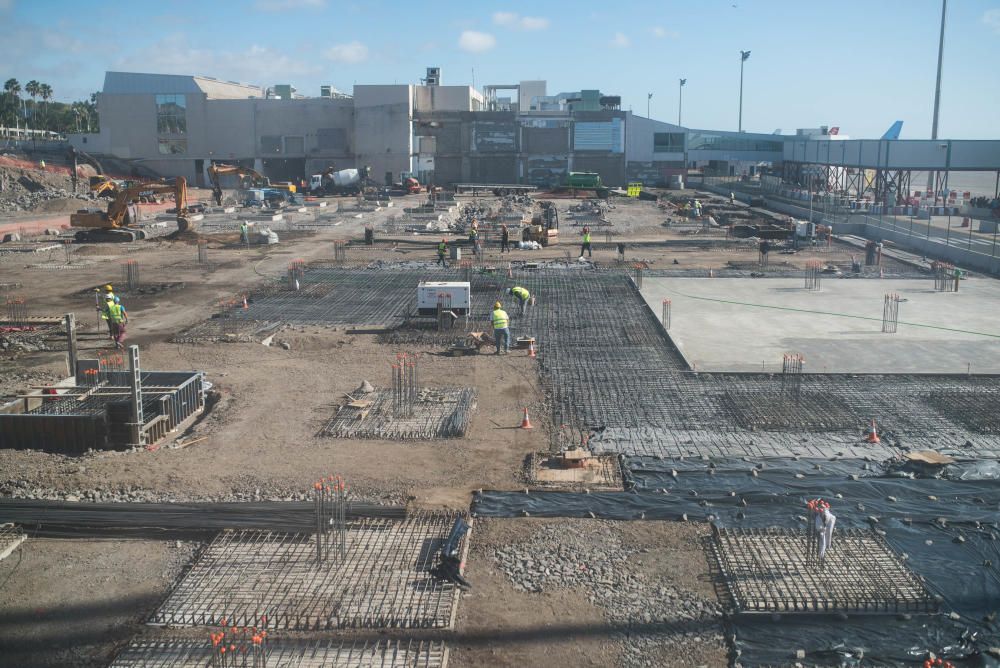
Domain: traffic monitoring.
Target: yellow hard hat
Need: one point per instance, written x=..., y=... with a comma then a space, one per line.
x=497, y=305
x=108, y=288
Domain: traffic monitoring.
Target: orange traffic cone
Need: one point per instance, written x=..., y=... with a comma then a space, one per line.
x=531, y=349
x=873, y=434
x=526, y=423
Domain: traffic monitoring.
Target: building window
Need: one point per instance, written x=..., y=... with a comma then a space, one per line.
x=171, y=114
x=270, y=144
x=295, y=145
x=668, y=142
x=730, y=142
x=173, y=146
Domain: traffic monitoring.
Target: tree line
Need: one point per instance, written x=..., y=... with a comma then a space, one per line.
x=40, y=113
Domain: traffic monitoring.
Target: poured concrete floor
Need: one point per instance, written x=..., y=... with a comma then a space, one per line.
x=724, y=324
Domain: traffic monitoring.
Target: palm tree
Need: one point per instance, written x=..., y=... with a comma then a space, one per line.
x=32, y=88
x=45, y=92
x=13, y=88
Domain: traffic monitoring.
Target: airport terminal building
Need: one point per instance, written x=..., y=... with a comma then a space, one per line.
x=177, y=125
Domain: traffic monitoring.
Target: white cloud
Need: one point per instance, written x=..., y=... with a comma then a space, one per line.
x=621, y=41
x=506, y=19
x=288, y=5
x=992, y=18
x=352, y=52
x=534, y=23
x=518, y=22
x=476, y=42
x=659, y=32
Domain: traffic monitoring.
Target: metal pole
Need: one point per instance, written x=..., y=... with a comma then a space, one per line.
x=680, y=100
x=937, y=85
x=742, y=60
x=70, y=320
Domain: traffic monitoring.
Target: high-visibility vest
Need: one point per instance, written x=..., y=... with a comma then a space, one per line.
x=105, y=309
x=520, y=293
x=442, y=247
x=115, y=313
x=586, y=237
x=500, y=319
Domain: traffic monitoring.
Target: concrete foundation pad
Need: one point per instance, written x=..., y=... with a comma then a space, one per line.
x=747, y=325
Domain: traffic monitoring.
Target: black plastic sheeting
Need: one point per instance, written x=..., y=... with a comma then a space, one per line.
x=944, y=519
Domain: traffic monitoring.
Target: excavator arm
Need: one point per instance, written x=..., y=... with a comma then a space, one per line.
x=113, y=224
x=249, y=178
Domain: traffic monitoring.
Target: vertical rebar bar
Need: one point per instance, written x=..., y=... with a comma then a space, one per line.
x=202, y=251
x=890, y=313
x=17, y=310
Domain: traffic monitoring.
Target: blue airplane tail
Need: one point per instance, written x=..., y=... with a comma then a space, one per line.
x=893, y=131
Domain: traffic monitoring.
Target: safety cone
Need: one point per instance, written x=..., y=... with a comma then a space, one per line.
x=531, y=349
x=873, y=434
x=526, y=423
x=246, y=306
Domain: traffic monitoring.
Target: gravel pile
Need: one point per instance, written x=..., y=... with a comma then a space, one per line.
x=655, y=617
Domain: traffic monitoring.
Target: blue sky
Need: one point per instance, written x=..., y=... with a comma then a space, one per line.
x=856, y=64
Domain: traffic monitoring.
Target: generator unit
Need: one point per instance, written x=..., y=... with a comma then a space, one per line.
x=455, y=296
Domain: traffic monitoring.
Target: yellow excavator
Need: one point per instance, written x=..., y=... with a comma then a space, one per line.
x=249, y=178
x=116, y=223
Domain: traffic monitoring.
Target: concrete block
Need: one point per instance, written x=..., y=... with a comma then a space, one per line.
x=318, y=204
x=274, y=217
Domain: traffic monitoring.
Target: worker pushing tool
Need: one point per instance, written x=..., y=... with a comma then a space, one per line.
x=522, y=295
x=442, y=251
x=501, y=328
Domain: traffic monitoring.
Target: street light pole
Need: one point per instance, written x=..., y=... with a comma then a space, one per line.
x=649, y=96
x=743, y=58
x=931, y=185
x=680, y=99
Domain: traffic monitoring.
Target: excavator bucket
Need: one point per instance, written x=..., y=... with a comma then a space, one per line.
x=184, y=224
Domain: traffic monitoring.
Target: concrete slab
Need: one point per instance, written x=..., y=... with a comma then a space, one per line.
x=747, y=325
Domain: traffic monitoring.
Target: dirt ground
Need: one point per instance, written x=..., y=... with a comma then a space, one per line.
x=75, y=600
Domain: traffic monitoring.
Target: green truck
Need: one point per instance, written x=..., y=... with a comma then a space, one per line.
x=583, y=180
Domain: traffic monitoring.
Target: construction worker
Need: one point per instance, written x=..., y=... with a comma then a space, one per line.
x=586, y=243
x=442, y=251
x=504, y=239
x=116, y=319
x=501, y=327
x=523, y=296
x=244, y=233
x=109, y=293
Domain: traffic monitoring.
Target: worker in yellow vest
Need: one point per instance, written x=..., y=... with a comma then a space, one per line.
x=116, y=320
x=523, y=296
x=102, y=308
x=586, y=243
x=501, y=328
x=442, y=251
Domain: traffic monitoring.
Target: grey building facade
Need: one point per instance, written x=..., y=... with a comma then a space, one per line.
x=178, y=125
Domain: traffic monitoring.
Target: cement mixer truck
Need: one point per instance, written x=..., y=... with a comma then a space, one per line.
x=342, y=182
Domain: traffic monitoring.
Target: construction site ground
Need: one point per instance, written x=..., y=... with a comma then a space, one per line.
x=77, y=602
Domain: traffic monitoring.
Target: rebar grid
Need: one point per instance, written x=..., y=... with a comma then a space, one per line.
x=775, y=570
x=17, y=311
x=944, y=277
x=271, y=580
x=291, y=653
x=814, y=274
x=130, y=274
x=665, y=319
x=437, y=413
x=330, y=501
x=890, y=314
